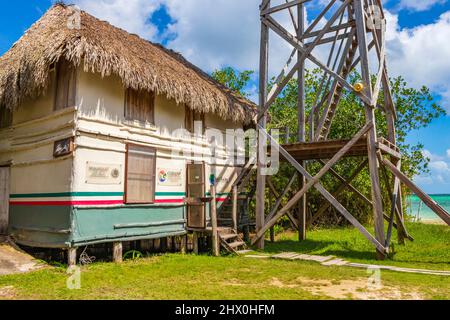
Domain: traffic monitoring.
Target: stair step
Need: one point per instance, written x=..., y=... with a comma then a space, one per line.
x=241, y=252
x=229, y=236
x=236, y=244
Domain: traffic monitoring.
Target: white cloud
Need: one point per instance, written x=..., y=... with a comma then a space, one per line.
x=419, y=5
x=439, y=175
x=421, y=54
x=448, y=153
x=132, y=16
x=213, y=34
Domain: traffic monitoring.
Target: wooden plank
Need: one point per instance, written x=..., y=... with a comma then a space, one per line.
x=117, y=252
x=389, y=150
x=427, y=200
x=346, y=183
x=262, y=120
x=4, y=199
x=72, y=257
x=215, y=234
x=305, y=52
x=235, y=209
x=287, y=5
x=301, y=110
x=370, y=117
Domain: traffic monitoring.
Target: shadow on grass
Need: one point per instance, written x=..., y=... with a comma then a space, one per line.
x=315, y=246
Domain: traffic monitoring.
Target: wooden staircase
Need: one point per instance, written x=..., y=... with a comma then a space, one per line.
x=230, y=238
x=232, y=242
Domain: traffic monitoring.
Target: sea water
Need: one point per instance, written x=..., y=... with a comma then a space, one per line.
x=417, y=208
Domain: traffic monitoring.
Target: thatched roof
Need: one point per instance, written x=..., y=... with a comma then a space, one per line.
x=100, y=47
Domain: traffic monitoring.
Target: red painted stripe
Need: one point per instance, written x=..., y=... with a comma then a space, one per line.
x=65, y=203
x=90, y=203
x=82, y=203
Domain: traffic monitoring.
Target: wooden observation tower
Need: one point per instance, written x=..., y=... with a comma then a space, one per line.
x=352, y=33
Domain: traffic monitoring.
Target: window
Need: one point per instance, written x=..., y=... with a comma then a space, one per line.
x=140, y=175
x=66, y=79
x=192, y=117
x=5, y=117
x=140, y=105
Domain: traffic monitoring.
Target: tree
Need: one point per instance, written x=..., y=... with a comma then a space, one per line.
x=416, y=108
x=234, y=80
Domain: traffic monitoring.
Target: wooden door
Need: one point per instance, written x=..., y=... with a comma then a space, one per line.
x=196, y=213
x=4, y=200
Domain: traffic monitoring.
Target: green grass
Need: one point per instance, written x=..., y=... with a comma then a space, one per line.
x=176, y=276
x=204, y=277
x=429, y=250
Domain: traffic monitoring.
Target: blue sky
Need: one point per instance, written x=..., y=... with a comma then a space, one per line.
x=218, y=35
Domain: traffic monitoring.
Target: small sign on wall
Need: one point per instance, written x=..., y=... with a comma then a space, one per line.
x=170, y=177
x=98, y=173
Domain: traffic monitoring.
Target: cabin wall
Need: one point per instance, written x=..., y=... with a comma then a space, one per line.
x=102, y=135
x=53, y=204
x=27, y=147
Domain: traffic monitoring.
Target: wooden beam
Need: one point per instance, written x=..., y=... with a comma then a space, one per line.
x=72, y=257
x=433, y=205
x=261, y=125
x=301, y=135
x=287, y=5
x=235, y=209
x=313, y=181
x=215, y=233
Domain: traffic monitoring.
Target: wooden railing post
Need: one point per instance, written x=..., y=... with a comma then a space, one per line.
x=235, y=208
x=215, y=235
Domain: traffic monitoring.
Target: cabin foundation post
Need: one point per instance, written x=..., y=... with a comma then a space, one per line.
x=215, y=234
x=117, y=252
x=146, y=245
x=183, y=244
x=195, y=242
x=72, y=257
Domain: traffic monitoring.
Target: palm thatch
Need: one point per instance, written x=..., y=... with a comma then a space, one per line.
x=100, y=47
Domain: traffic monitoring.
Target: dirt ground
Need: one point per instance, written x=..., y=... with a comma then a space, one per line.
x=13, y=260
x=349, y=289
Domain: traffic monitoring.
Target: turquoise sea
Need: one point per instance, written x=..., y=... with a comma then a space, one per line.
x=417, y=208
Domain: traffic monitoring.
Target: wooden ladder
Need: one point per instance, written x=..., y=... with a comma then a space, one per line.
x=329, y=113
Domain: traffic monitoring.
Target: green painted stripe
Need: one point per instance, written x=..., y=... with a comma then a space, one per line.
x=87, y=194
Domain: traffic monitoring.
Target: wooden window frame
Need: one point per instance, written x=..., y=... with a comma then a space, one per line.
x=189, y=124
x=128, y=115
x=71, y=90
x=126, y=201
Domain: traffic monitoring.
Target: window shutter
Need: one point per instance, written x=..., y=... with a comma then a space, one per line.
x=140, y=105
x=65, y=85
x=140, y=177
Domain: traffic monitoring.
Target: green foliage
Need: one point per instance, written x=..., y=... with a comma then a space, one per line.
x=236, y=81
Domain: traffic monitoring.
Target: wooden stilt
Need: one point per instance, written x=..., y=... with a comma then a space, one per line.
x=72, y=257
x=301, y=212
x=195, y=242
x=117, y=252
x=183, y=244
x=215, y=234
